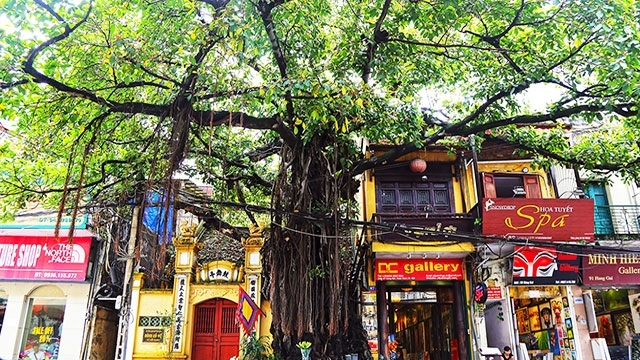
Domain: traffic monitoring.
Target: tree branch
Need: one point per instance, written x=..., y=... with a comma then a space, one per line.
x=103, y=176
x=625, y=110
x=559, y=157
x=372, y=44
x=265, y=8
x=484, y=106
x=7, y=85
x=42, y=78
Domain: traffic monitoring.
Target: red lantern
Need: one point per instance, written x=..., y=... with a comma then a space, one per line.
x=418, y=165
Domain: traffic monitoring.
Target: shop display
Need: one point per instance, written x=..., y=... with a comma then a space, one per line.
x=543, y=320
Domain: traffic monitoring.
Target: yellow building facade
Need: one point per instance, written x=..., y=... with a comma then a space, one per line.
x=197, y=318
x=422, y=267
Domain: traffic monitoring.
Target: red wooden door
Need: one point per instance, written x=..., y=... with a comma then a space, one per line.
x=216, y=336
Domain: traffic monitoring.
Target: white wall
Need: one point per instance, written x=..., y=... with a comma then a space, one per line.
x=620, y=193
x=73, y=328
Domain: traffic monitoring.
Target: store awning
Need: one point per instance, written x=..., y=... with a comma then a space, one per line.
x=445, y=250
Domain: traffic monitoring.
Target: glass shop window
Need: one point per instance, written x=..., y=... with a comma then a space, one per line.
x=3, y=307
x=43, y=327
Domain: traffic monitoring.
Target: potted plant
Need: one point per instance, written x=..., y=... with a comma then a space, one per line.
x=305, y=349
x=256, y=348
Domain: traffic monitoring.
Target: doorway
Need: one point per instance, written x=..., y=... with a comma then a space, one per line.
x=215, y=332
x=597, y=192
x=421, y=321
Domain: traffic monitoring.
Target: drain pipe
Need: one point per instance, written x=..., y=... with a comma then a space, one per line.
x=476, y=174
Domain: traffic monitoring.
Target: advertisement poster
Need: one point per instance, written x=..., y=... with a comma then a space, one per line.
x=370, y=319
x=634, y=301
x=43, y=328
x=544, y=266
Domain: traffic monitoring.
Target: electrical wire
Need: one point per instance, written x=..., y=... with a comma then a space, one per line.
x=410, y=233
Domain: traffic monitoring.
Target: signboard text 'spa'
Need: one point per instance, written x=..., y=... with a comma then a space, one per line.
x=538, y=219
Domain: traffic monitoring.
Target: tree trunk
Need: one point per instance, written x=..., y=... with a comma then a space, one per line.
x=307, y=258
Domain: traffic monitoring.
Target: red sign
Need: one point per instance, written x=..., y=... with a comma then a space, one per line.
x=534, y=265
x=604, y=269
x=38, y=255
x=416, y=269
x=495, y=293
x=538, y=219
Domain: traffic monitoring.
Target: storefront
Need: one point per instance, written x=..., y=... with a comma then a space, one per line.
x=542, y=302
x=545, y=301
x=421, y=305
x=611, y=289
x=45, y=290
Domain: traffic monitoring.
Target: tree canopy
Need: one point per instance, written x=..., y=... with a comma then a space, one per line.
x=269, y=101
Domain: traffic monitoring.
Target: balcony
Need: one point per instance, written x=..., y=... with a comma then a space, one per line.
x=423, y=226
x=617, y=221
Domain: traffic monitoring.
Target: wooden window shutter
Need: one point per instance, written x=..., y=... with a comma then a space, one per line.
x=532, y=186
x=489, y=185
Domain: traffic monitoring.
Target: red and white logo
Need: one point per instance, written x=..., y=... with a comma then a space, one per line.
x=535, y=262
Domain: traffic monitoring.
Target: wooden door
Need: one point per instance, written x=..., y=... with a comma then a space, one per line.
x=216, y=336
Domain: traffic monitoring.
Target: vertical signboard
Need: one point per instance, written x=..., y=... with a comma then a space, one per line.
x=179, y=312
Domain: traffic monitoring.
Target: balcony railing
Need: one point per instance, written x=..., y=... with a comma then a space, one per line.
x=617, y=220
x=609, y=222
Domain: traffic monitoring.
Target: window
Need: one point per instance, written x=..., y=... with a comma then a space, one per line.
x=413, y=197
x=43, y=325
x=499, y=185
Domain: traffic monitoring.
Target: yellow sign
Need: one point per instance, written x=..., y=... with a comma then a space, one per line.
x=153, y=335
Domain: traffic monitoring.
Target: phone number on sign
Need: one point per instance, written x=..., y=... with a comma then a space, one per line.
x=55, y=275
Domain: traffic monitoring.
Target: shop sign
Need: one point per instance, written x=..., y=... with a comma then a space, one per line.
x=46, y=219
x=419, y=269
x=153, y=335
x=44, y=258
x=539, y=219
x=544, y=266
x=600, y=269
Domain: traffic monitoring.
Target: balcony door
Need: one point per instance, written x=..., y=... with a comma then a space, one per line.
x=597, y=192
x=504, y=185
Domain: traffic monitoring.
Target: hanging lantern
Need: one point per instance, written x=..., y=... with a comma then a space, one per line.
x=418, y=165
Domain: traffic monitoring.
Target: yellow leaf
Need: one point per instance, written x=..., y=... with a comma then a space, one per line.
x=344, y=91
x=359, y=102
